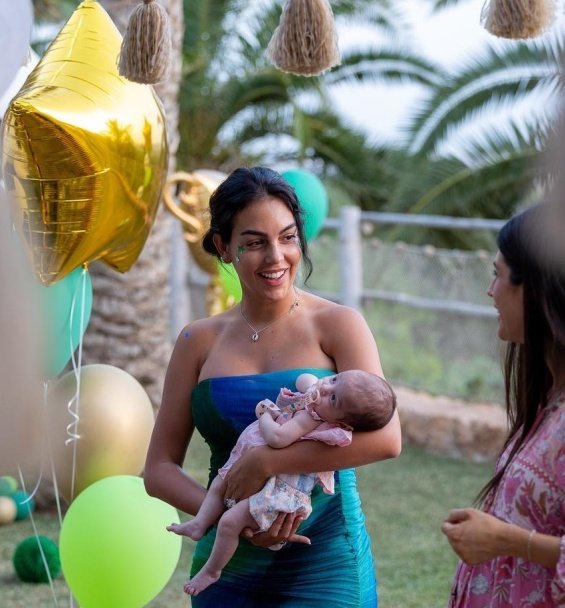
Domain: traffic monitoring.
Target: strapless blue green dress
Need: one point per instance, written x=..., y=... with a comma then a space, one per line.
x=337, y=569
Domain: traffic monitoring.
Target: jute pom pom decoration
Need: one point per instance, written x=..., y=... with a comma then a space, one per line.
x=305, y=41
x=518, y=18
x=146, y=47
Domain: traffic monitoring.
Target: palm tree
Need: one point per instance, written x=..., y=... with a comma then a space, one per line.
x=494, y=165
x=236, y=108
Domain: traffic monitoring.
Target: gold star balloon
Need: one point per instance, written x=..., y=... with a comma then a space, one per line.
x=84, y=152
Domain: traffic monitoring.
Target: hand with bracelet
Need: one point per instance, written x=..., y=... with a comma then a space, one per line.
x=477, y=537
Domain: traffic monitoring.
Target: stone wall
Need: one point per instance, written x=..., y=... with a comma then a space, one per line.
x=474, y=431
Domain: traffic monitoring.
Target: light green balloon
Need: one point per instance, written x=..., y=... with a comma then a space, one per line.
x=230, y=281
x=115, y=550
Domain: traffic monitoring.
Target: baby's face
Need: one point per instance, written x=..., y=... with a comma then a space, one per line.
x=330, y=405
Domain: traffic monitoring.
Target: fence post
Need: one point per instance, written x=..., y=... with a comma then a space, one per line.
x=350, y=257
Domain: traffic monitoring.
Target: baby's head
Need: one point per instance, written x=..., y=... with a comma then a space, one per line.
x=356, y=399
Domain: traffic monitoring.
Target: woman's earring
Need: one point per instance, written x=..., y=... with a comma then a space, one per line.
x=237, y=258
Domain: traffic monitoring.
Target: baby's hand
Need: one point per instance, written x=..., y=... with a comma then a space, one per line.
x=266, y=406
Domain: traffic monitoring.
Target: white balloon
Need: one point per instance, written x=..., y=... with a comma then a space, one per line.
x=16, y=19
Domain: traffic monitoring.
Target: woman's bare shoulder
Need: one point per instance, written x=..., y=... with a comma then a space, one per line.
x=201, y=334
x=343, y=334
x=327, y=312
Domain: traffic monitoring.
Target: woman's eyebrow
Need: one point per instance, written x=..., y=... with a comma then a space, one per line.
x=259, y=233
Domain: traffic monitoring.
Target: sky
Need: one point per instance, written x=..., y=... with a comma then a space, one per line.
x=449, y=37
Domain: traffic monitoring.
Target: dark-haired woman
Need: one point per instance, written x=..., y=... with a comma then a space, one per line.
x=513, y=549
x=222, y=366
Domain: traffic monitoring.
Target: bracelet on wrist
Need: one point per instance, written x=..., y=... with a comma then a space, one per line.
x=529, y=545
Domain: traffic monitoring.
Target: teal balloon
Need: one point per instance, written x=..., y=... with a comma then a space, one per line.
x=313, y=199
x=115, y=550
x=25, y=505
x=61, y=307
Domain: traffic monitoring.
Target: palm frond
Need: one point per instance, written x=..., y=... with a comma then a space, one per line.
x=386, y=65
x=506, y=74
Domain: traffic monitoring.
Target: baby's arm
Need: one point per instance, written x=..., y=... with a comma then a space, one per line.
x=281, y=435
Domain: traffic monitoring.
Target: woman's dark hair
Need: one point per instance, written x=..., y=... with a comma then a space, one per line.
x=533, y=247
x=243, y=187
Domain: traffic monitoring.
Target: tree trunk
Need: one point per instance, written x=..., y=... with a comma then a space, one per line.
x=129, y=326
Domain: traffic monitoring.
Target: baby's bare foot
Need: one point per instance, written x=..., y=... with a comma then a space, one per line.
x=199, y=582
x=193, y=529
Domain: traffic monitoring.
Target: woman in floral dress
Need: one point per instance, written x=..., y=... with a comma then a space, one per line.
x=513, y=550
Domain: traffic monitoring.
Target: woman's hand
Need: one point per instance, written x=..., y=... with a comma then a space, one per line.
x=475, y=536
x=247, y=475
x=283, y=530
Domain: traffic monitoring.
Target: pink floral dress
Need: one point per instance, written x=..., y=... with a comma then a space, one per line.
x=287, y=493
x=531, y=495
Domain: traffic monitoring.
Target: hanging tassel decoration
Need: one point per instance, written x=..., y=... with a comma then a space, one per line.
x=146, y=47
x=518, y=19
x=305, y=41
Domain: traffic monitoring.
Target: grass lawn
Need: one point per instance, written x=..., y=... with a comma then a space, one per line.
x=404, y=501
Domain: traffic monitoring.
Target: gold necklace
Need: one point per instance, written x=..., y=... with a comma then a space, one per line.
x=256, y=332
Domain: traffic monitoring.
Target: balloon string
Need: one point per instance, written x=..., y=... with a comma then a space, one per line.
x=46, y=442
x=51, y=459
x=72, y=427
x=36, y=533
x=30, y=496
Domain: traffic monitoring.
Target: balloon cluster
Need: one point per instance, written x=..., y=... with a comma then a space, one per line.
x=15, y=503
x=84, y=158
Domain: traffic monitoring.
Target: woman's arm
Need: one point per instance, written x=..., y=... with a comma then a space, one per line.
x=164, y=475
x=477, y=537
x=281, y=435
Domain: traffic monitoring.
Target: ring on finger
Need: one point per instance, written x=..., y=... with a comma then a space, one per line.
x=230, y=502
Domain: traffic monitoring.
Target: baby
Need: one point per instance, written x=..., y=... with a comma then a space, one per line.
x=325, y=410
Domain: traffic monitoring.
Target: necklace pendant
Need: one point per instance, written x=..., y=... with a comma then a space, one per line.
x=255, y=337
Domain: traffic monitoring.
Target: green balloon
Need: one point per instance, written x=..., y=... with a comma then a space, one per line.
x=61, y=307
x=229, y=281
x=115, y=550
x=8, y=485
x=313, y=199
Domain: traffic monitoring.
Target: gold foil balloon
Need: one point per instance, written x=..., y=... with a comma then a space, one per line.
x=187, y=197
x=85, y=153
x=190, y=206
x=104, y=432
